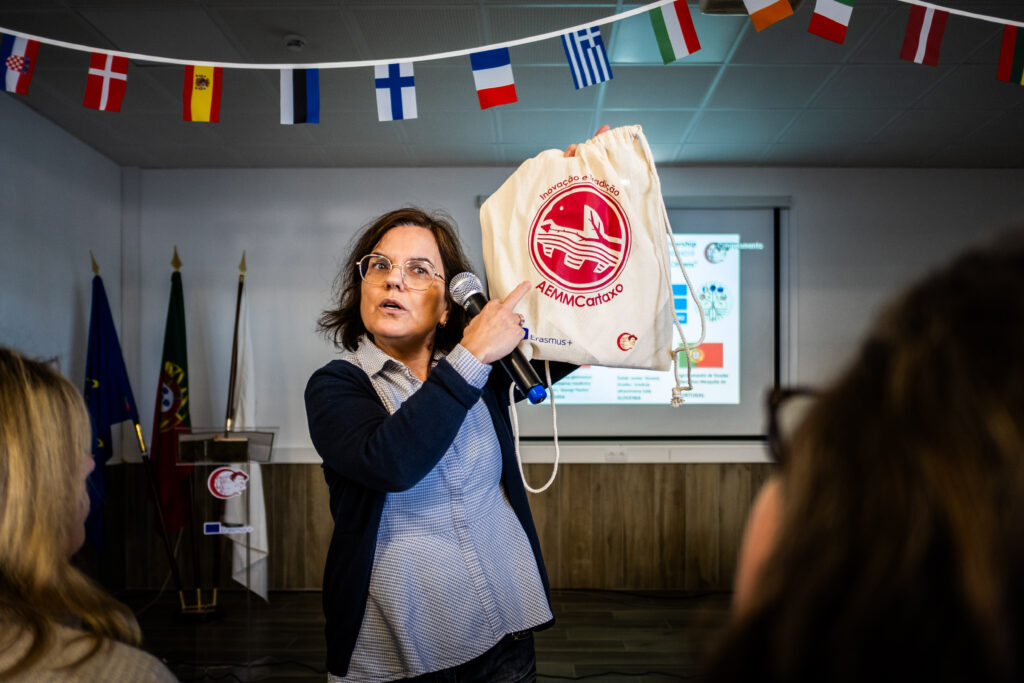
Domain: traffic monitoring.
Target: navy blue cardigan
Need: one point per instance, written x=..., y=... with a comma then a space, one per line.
x=367, y=453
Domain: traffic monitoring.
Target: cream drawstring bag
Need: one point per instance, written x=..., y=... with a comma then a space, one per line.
x=591, y=233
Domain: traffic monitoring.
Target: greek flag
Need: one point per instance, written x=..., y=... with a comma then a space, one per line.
x=585, y=51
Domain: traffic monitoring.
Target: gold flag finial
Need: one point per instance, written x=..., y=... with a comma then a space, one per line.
x=95, y=266
x=241, y=265
x=176, y=262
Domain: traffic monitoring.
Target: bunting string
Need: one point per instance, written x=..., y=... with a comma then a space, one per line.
x=394, y=78
x=963, y=13
x=340, y=65
x=423, y=58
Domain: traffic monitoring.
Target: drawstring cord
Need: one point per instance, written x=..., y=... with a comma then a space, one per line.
x=515, y=431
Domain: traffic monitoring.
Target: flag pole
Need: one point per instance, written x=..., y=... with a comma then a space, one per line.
x=230, y=415
x=151, y=477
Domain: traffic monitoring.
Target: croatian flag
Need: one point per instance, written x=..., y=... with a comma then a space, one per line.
x=300, y=96
x=18, y=56
x=492, y=74
x=924, y=35
x=106, y=83
x=396, y=91
x=587, y=58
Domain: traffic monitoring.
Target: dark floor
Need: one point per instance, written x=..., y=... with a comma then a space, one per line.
x=648, y=637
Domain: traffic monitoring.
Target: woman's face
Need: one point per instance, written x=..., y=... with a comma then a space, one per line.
x=400, y=318
x=76, y=530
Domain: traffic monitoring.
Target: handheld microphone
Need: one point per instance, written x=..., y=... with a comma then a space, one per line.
x=466, y=289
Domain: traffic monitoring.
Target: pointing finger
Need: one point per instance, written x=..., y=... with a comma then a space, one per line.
x=512, y=300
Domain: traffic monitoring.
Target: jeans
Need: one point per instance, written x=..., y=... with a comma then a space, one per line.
x=511, y=660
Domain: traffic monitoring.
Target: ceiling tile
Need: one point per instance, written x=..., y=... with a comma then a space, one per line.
x=667, y=87
x=542, y=130
x=720, y=153
x=417, y=31
x=825, y=126
x=767, y=87
x=733, y=127
x=260, y=33
x=181, y=32
x=545, y=87
x=895, y=86
x=973, y=86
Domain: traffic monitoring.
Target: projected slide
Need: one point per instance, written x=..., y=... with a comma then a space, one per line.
x=713, y=263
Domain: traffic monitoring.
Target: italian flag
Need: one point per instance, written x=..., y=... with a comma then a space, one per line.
x=830, y=19
x=1011, y=56
x=764, y=13
x=673, y=26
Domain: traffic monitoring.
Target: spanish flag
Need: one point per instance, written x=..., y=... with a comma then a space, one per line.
x=201, y=95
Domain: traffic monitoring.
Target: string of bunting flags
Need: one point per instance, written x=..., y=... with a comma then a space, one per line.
x=491, y=65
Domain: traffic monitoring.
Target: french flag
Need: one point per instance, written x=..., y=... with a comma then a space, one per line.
x=18, y=60
x=492, y=74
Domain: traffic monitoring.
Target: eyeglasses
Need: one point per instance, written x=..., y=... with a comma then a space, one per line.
x=786, y=407
x=417, y=274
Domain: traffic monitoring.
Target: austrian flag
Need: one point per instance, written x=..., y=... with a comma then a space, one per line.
x=105, y=86
x=18, y=62
x=492, y=75
x=924, y=35
x=831, y=19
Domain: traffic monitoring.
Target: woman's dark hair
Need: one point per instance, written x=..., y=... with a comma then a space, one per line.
x=899, y=551
x=342, y=323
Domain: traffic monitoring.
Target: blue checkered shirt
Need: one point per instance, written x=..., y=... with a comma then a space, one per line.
x=453, y=571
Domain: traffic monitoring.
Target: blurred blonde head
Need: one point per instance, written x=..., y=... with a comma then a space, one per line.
x=44, y=440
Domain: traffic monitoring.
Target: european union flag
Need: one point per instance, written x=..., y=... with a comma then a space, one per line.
x=108, y=396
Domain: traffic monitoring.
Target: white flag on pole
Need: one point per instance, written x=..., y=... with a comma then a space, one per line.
x=248, y=563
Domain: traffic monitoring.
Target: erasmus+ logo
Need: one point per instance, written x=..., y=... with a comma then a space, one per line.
x=580, y=239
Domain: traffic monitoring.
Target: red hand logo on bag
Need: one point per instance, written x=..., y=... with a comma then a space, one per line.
x=580, y=238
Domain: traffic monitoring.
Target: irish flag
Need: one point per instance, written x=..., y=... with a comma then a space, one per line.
x=673, y=26
x=764, y=13
x=1011, y=56
x=830, y=19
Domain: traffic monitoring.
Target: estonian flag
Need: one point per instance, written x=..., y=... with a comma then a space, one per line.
x=300, y=96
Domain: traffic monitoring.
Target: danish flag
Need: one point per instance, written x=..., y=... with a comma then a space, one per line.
x=108, y=78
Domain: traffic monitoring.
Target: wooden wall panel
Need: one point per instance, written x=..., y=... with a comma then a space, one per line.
x=603, y=526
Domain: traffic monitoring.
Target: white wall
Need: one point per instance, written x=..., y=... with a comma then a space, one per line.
x=858, y=236
x=58, y=199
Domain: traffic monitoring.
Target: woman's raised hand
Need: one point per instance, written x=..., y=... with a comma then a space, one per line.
x=497, y=329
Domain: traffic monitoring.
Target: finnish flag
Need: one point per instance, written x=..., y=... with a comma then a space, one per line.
x=396, y=91
x=587, y=58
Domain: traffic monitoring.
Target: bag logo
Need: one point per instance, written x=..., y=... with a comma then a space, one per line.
x=580, y=238
x=626, y=341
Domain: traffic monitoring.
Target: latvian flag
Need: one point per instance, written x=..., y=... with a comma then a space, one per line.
x=19, y=62
x=396, y=91
x=300, y=96
x=587, y=58
x=492, y=75
x=831, y=18
x=764, y=13
x=924, y=35
x=673, y=26
x=201, y=96
x=1011, y=56
x=106, y=83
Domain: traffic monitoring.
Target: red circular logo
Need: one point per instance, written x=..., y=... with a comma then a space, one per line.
x=580, y=238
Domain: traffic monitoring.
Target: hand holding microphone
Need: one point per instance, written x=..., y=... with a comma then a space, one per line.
x=495, y=330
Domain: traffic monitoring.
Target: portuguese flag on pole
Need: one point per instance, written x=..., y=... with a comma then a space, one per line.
x=831, y=18
x=171, y=414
